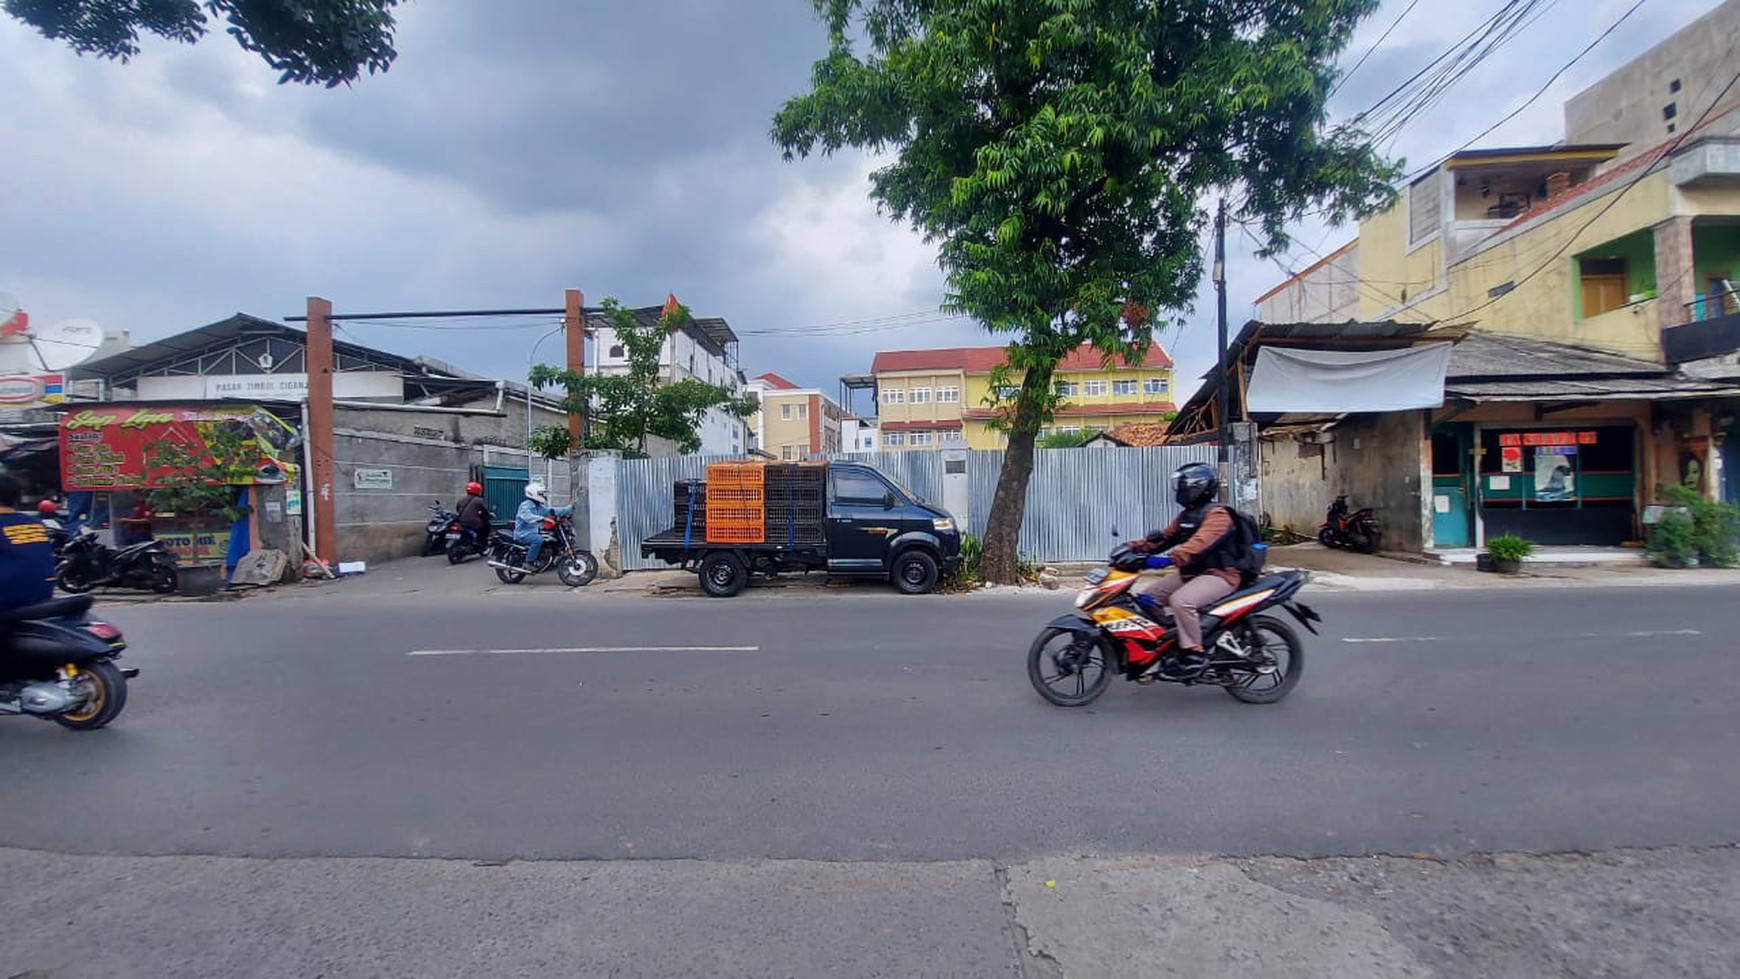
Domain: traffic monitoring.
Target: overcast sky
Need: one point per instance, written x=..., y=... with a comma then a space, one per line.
x=520, y=147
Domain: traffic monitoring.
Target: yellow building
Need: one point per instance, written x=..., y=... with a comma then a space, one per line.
x=931, y=399
x=792, y=422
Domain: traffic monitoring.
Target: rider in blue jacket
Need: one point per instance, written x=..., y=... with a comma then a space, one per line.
x=529, y=520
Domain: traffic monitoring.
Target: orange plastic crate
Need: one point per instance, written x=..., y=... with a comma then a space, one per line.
x=734, y=533
x=744, y=497
x=725, y=474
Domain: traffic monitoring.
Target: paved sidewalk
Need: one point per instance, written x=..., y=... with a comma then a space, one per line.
x=1633, y=913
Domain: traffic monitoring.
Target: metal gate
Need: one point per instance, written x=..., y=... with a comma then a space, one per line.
x=503, y=489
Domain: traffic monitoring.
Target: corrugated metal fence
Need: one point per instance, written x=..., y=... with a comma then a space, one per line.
x=1074, y=500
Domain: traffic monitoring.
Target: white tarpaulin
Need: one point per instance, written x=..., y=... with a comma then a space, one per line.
x=1289, y=381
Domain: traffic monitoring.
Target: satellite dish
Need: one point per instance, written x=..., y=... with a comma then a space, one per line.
x=58, y=346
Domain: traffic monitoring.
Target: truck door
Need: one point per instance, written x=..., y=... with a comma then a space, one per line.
x=860, y=521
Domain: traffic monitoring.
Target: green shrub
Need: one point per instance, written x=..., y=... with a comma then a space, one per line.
x=1509, y=547
x=966, y=574
x=1700, y=528
x=1670, y=543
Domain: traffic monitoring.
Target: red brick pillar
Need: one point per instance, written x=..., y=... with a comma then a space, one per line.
x=1675, y=278
x=319, y=364
x=574, y=331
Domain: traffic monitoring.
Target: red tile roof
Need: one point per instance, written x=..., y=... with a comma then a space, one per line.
x=1077, y=410
x=1141, y=434
x=775, y=381
x=982, y=360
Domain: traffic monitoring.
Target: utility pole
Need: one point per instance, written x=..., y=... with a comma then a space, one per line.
x=1223, y=385
x=318, y=355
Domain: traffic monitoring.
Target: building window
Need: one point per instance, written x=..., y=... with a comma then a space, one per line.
x=921, y=396
x=788, y=452
x=893, y=396
x=1425, y=209
x=1006, y=392
x=1068, y=389
x=785, y=413
x=893, y=438
x=1123, y=387
x=1045, y=432
x=920, y=438
x=1069, y=430
x=803, y=410
x=616, y=351
x=948, y=395
x=1154, y=385
x=1603, y=282
x=954, y=435
x=1093, y=389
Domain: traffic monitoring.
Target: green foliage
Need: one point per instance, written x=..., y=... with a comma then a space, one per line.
x=198, y=478
x=1509, y=547
x=1067, y=440
x=326, y=42
x=1697, y=531
x=966, y=575
x=1058, y=152
x=630, y=408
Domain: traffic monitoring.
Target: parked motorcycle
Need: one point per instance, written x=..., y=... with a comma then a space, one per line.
x=1255, y=657
x=574, y=565
x=86, y=563
x=1356, y=531
x=435, y=531
x=58, y=663
x=464, y=543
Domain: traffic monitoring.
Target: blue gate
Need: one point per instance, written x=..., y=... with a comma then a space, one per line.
x=503, y=489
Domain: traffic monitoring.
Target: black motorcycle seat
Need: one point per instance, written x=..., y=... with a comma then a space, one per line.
x=54, y=608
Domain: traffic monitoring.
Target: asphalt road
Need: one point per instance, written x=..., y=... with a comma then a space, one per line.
x=865, y=726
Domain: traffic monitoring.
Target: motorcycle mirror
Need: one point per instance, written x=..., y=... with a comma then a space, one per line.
x=1114, y=533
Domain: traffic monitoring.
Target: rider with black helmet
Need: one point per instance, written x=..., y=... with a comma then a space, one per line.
x=1204, y=559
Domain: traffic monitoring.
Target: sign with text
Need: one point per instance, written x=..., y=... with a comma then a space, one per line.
x=112, y=447
x=381, y=479
x=31, y=390
x=286, y=387
x=1533, y=439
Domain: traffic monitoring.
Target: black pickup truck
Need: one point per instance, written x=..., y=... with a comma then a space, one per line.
x=869, y=527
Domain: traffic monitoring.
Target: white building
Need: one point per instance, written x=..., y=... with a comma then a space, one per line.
x=858, y=435
x=704, y=350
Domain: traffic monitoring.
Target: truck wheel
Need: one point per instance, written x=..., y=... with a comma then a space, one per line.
x=914, y=572
x=723, y=574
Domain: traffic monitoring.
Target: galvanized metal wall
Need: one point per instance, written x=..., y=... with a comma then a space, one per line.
x=643, y=500
x=1075, y=499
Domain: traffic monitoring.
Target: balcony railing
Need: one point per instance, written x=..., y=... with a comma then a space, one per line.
x=1713, y=306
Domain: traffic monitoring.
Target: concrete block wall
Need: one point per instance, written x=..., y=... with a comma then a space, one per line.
x=1375, y=459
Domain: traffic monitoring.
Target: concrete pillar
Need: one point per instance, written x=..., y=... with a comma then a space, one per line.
x=1675, y=278
x=957, y=491
x=597, y=494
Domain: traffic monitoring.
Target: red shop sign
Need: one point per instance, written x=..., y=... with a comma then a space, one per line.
x=1547, y=438
x=107, y=448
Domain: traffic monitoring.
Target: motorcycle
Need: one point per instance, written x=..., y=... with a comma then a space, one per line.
x=1253, y=656
x=435, y=531
x=574, y=565
x=58, y=663
x=86, y=563
x=1356, y=531
x=464, y=543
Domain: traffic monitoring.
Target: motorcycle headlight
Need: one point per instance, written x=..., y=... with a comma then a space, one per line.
x=1083, y=597
x=943, y=525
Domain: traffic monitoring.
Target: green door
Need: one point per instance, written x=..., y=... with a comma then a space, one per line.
x=503, y=489
x=1452, y=464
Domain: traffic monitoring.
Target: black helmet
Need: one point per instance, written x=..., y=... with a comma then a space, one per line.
x=1193, y=483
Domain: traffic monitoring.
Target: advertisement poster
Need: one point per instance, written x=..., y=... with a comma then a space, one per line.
x=196, y=546
x=112, y=447
x=1555, y=480
x=1511, y=457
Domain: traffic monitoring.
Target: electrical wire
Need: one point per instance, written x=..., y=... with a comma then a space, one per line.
x=1368, y=51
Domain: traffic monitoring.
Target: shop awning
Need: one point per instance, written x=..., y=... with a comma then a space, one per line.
x=1289, y=380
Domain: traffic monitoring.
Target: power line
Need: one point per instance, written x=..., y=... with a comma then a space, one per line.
x=1368, y=51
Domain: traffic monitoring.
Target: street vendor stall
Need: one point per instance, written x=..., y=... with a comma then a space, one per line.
x=190, y=475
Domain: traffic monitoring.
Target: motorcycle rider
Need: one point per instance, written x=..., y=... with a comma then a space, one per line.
x=473, y=514
x=26, y=556
x=50, y=515
x=529, y=520
x=1205, y=553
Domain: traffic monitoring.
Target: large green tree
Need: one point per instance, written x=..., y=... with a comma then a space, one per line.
x=326, y=42
x=626, y=409
x=1059, y=153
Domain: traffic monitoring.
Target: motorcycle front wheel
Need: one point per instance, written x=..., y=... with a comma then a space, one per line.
x=108, y=689
x=1068, y=669
x=72, y=580
x=1326, y=537
x=577, y=569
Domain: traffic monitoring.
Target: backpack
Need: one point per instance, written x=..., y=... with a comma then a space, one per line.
x=1246, y=541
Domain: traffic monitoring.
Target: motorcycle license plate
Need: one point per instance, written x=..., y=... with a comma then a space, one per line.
x=452, y=536
x=1095, y=576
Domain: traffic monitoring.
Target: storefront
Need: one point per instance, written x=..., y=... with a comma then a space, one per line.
x=1559, y=485
x=124, y=465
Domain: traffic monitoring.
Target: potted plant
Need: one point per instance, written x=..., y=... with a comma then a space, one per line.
x=1507, y=552
x=198, y=480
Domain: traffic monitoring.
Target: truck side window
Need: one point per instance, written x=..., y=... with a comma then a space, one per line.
x=858, y=488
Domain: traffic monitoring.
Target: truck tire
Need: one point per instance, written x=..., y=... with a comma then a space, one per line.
x=723, y=574
x=914, y=572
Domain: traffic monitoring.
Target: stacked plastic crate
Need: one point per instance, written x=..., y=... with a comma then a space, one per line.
x=736, y=503
x=796, y=496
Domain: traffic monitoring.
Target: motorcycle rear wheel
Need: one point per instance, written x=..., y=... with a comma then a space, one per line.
x=457, y=552
x=164, y=580
x=1071, y=676
x=108, y=696
x=72, y=581
x=1276, y=639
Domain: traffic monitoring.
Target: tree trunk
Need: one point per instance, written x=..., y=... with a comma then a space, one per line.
x=1009, y=505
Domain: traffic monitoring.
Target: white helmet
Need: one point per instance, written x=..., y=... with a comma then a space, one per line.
x=535, y=493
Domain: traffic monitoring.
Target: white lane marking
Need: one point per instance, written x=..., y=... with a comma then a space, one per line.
x=584, y=649
x=1587, y=635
